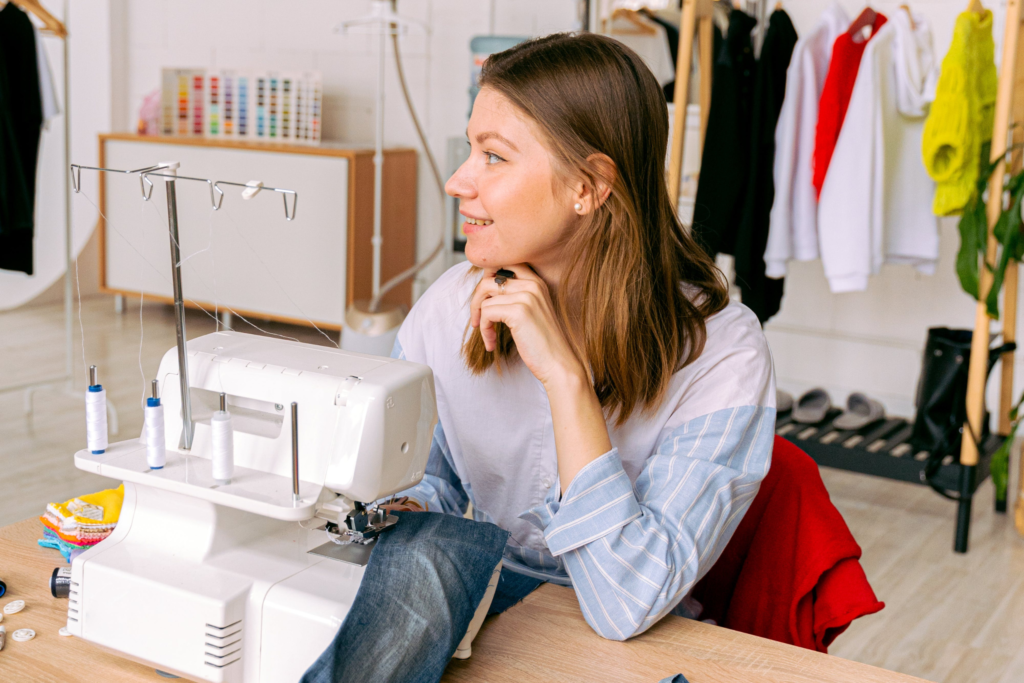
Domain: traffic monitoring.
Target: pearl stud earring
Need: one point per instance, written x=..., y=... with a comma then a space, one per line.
x=578, y=206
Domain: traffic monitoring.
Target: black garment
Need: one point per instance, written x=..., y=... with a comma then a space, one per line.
x=21, y=120
x=761, y=294
x=726, y=156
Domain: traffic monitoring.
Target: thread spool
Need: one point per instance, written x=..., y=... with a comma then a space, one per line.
x=156, y=447
x=223, y=444
x=60, y=582
x=95, y=414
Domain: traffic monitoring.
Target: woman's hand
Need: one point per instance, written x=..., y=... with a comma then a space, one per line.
x=581, y=433
x=525, y=306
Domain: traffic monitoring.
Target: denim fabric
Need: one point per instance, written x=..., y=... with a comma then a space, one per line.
x=422, y=585
x=512, y=588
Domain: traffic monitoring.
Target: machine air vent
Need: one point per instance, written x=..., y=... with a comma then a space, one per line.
x=73, y=602
x=223, y=644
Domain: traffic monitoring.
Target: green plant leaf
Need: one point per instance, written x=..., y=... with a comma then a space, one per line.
x=999, y=467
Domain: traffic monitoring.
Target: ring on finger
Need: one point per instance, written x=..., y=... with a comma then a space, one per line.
x=500, y=281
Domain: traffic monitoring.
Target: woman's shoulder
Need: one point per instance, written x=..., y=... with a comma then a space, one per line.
x=440, y=314
x=734, y=370
x=451, y=291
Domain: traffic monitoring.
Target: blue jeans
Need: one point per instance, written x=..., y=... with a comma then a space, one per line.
x=422, y=585
x=512, y=588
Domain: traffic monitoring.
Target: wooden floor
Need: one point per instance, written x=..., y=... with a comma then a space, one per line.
x=948, y=617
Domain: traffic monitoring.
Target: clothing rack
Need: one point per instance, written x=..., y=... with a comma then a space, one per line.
x=54, y=27
x=883, y=448
x=696, y=18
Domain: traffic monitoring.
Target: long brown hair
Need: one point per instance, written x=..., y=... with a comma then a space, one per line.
x=637, y=289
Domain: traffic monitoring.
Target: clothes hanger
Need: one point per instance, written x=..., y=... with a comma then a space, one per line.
x=864, y=19
x=906, y=8
x=50, y=22
x=633, y=17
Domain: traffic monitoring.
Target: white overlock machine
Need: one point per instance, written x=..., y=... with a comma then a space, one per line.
x=247, y=579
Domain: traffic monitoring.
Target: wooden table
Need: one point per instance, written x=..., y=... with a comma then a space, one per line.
x=543, y=638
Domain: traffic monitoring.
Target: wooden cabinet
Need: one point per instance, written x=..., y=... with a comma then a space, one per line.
x=246, y=256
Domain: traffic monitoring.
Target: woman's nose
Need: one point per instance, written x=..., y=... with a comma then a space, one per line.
x=461, y=183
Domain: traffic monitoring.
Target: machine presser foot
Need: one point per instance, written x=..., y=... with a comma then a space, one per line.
x=354, y=543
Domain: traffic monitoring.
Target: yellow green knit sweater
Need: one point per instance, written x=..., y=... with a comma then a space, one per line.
x=960, y=119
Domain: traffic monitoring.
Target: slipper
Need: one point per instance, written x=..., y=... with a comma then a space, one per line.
x=783, y=402
x=860, y=412
x=812, y=407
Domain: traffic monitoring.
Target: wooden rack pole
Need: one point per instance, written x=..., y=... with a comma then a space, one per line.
x=683, y=59
x=706, y=45
x=980, y=342
x=978, y=368
x=1016, y=137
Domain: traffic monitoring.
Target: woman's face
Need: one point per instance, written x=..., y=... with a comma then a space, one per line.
x=515, y=211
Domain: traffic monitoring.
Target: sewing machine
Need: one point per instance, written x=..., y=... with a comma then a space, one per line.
x=242, y=582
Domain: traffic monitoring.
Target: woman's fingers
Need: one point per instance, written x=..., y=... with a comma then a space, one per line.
x=512, y=309
x=487, y=288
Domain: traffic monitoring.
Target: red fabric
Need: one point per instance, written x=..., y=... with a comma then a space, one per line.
x=791, y=571
x=835, y=98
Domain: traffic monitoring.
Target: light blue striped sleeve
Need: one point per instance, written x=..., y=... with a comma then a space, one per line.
x=634, y=551
x=441, y=489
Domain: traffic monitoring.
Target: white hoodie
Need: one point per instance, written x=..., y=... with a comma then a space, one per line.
x=793, y=228
x=875, y=204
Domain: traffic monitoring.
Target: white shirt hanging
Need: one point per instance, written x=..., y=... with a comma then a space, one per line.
x=875, y=204
x=47, y=93
x=652, y=47
x=793, y=228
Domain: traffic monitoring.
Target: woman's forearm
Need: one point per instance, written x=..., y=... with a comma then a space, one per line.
x=581, y=434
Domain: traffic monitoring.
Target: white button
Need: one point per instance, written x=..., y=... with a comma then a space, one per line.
x=547, y=483
x=23, y=634
x=64, y=631
x=14, y=607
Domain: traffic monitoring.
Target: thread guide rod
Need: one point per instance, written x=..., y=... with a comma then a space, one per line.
x=92, y=376
x=295, y=452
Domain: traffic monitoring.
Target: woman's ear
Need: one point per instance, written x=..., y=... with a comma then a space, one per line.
x=589, y=196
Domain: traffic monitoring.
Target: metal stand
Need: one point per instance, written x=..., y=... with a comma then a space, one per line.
x=385, y=23
x=170, y=177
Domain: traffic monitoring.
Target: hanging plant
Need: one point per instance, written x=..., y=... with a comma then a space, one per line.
x=973, y=251
x=974, y=234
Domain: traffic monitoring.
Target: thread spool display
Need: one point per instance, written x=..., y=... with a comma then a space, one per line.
x=95, y=414
x=223, y=444
x=156, y=447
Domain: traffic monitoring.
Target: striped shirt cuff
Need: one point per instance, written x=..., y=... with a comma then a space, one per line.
x=599, y=500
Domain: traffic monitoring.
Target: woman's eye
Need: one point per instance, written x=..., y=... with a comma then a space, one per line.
x=492, y=158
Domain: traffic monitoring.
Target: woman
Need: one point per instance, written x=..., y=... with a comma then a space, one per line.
x=607, y=405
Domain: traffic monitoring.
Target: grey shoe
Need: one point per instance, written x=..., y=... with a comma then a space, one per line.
x=812, y=407
x=860, y=412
